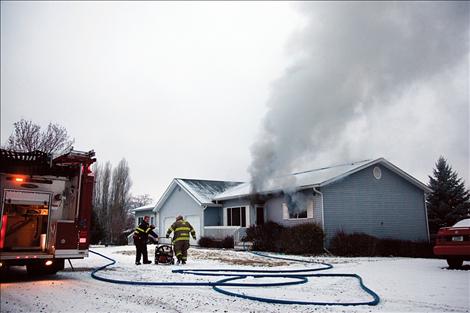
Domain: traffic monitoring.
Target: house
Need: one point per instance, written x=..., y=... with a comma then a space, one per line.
x=372, y=196
x=191, y=198
x=146, y=210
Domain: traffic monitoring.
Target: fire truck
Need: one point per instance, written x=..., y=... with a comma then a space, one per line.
x=46, y=205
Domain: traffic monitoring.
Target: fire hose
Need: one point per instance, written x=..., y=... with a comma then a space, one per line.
x=296, y=277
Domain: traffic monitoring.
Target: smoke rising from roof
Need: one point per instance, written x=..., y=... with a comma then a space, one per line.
x=353, y=60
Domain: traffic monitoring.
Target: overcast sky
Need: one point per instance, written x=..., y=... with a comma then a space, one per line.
x=230, y=90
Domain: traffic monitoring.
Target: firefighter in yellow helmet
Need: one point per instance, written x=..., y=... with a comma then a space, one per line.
x=181, y=229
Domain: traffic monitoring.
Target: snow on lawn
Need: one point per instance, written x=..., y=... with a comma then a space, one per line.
x=403, y=284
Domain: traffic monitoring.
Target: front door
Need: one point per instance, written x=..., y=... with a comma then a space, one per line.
x=259, y=215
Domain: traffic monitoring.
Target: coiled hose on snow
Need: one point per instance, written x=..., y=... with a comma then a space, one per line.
x=296, y=277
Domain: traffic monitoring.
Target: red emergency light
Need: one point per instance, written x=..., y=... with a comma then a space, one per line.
x=19, y=179
x=83, y=237
x=3, y=230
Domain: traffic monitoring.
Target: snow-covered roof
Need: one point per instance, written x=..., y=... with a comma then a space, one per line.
x=202, y=191
x=315, y=178
x=205, y=190
x=143, y=208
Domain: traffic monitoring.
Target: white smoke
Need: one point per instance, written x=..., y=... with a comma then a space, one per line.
x=352, y=58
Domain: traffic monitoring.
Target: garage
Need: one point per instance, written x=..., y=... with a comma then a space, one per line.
x=195, y=221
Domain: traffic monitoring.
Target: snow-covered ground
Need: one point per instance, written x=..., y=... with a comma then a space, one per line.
x=403, y=284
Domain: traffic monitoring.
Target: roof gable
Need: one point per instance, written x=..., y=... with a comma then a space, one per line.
x=388, y=165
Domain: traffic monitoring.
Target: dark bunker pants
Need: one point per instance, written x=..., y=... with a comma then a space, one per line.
x=181, y=249
x=141, y=250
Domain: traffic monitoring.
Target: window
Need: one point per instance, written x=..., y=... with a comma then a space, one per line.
x=140, y=220
x=151, y=221
x=297, y=207
x=236, y=216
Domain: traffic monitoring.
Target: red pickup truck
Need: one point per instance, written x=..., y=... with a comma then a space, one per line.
x=453, y=243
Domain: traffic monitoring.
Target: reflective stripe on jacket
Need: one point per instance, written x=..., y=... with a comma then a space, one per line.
x=181, y=230
x=142, y=232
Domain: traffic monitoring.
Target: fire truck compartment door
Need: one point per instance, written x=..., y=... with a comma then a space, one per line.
x=67, y=235
x=26, y=197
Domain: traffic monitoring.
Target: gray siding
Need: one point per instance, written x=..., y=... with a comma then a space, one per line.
x=236, y=202
x=178, y=202
x=389, y=207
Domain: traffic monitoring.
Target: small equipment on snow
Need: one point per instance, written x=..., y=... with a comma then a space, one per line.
x=164, y=254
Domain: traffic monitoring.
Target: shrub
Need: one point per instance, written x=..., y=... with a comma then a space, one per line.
x=360, y=244
x=355, y=244
x=302, y=239
x=265, y=237
x=209, y=242
x=228, y=242
x=392, y=247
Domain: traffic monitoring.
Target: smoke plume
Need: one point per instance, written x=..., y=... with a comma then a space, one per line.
x=350, y=59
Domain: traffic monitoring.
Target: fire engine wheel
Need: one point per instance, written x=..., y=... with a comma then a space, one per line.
x=37, y=269
x=3, y=270
x=455, y=262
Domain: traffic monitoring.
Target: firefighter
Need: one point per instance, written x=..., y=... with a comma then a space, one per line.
x=181, y=229
x=141, y=235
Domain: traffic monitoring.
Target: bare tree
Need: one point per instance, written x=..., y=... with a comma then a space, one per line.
x=102, y=199
x=105, y=213
x=100, y=222
x=120, y=200
x=27, y=136
x=140, y=200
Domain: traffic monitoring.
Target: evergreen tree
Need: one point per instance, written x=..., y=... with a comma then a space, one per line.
x=449, y=200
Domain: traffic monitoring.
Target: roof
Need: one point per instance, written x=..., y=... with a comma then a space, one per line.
x=143, y=208
x=315, y=178
x=202, y=191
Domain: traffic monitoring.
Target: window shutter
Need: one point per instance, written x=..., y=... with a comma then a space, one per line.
x=285, y=211
x=310, y=209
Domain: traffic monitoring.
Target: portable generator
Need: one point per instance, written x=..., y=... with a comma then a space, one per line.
x=164, y=254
